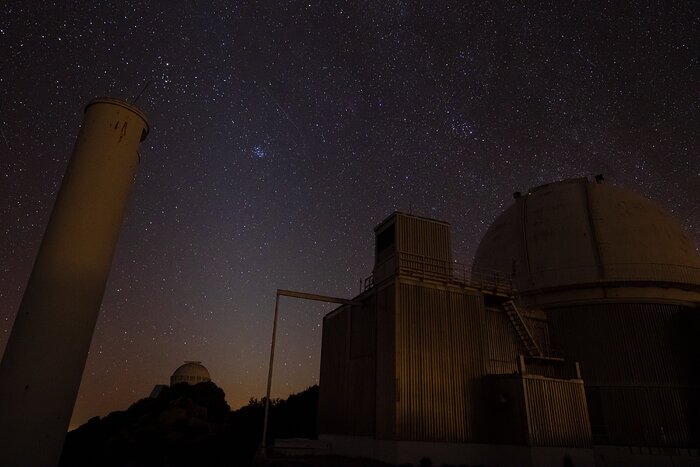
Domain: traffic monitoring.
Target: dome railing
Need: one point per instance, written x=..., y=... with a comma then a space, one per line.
x=426, y=267
x=616, y=272
x=451, y=271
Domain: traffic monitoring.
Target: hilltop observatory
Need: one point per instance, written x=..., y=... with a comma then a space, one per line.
x=572, y=338
x=191, y=373
x=46, y=352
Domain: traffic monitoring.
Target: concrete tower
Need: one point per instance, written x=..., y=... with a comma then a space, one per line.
x=45, y=356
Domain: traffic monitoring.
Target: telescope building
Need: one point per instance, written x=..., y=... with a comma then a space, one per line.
x=571, y=339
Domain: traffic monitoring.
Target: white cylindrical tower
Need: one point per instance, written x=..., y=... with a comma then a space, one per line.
x=45, y=355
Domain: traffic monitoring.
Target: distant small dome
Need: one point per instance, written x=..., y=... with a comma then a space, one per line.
x=190, y=373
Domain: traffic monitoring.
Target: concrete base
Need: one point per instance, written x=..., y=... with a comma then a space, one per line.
x=626, y=456
x=486, y=455
x=298, y=447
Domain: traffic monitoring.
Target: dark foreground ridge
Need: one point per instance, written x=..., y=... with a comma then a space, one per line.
x=188, y=425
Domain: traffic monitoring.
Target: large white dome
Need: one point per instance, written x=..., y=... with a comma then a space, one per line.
x=577, y=232
x=191, y=373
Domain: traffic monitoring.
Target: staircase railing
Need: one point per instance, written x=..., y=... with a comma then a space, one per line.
x=522, y=329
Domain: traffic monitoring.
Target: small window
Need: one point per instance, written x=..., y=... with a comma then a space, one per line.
x=386, y=238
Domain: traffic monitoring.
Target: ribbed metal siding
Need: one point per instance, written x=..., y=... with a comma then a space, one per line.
x=637, y=359
x=423, y=237
x=361, y=387
x=551, y=368
x=363, y=329
x=440, y=364
x=556, y=412
x=626, y=342
x=348, y=368
x=386, y=364
x=332, y=409
x=503, y=344
x=649, y=416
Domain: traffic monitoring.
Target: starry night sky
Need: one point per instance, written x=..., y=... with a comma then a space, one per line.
x=283, y=132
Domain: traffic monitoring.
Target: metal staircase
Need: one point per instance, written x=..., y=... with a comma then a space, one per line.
x=521, y=328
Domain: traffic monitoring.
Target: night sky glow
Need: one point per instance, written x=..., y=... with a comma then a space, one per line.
x=283, y=132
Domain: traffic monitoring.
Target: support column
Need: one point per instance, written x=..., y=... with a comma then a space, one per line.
x=46, y=352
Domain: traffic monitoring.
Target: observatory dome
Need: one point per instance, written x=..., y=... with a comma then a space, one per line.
x=191, y=373
x=587, y=233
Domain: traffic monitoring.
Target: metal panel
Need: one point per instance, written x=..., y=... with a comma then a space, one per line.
x=504, y=346
x=440, y=363
x=640, y=362
x=419, y=236
x=386, y=364
x=556, y=412
x=648, y=416
x=363, y=329
x=551, y=368
x=361, y=388
x=424, y=237
x=359, y=396
x=624, y=343
x=348, y=368
x=332, y=413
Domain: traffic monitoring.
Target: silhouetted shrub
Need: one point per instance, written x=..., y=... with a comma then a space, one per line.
x=187, y=425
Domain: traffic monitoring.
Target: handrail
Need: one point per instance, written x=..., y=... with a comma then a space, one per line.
x=437, y=269
x=616, y=272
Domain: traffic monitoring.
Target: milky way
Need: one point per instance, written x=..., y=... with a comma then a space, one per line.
x=283, y=132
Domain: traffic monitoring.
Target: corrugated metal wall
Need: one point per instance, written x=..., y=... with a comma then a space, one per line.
x=503, y=344
x=362, y=367
x=537, y=411
x=386, y=364
x=556, y=412
x=332, y=410
x=640, y=365
x=348, y=369
x=423, y=237
x=647, y=416
x=551, y=368
x=441, y=361
x=624, y=342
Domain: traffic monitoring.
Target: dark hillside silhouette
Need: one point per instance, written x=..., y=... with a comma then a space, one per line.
x=187, y=425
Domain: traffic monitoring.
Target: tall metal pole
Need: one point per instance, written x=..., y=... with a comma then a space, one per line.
x=46, y=352
x=263, y=443
x=303, y=296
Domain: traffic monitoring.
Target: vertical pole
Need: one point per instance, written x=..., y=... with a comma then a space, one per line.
x=46, y=352
x=263, y=442
x=521, y=364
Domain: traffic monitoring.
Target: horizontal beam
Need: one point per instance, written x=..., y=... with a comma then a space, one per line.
x=318, y=298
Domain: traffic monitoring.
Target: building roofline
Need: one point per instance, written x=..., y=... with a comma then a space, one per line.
x=401, y=213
